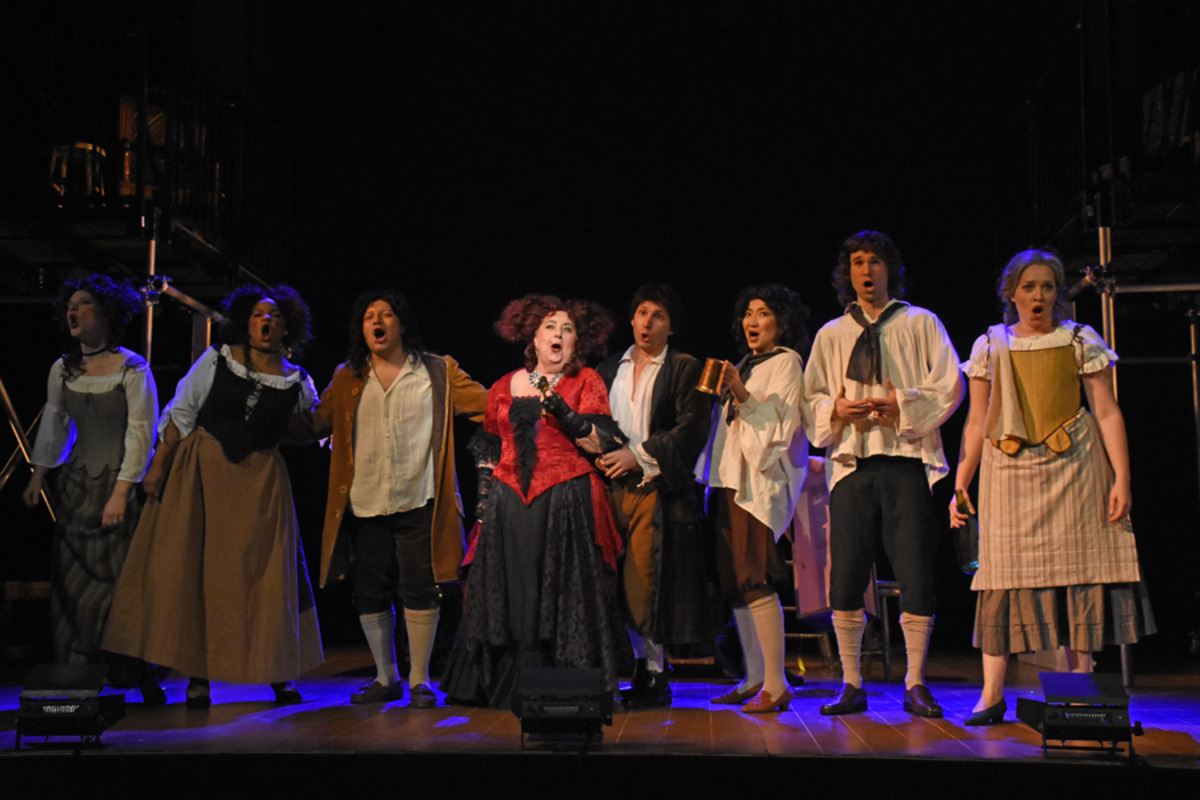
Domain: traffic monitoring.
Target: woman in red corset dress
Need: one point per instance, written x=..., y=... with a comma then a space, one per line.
x=537, y=594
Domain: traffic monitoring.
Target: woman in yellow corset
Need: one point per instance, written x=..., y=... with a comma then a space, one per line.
x=1058, y=566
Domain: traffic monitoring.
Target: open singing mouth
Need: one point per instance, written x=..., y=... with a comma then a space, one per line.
x=266, y=330
x=379, y=332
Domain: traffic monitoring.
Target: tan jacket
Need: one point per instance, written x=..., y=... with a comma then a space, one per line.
x=453, y=393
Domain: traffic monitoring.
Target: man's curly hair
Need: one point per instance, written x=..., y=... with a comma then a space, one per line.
x=358, y=354
x=871, y=242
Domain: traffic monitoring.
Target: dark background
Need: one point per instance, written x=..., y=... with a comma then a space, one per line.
x=468, y=153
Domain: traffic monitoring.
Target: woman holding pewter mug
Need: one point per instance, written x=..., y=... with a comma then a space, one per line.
x=537, y=594
x=1058, y=565
x=754, y=466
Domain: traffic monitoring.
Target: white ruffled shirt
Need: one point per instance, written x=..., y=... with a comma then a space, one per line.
x=631, y=407
x=393, y=451
x=920, y=360
x=762, y=454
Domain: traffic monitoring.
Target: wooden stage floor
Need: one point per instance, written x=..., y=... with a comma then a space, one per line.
x=243, y=724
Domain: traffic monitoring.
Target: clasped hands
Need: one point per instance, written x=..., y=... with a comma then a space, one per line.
x=883, y=409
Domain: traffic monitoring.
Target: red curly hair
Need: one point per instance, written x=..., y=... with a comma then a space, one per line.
x=593, y=325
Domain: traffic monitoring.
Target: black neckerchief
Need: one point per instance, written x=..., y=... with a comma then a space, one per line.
x=744, y=369
x=866, y=359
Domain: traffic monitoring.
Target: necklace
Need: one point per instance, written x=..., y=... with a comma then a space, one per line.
x=85, y=353
x=543, y=382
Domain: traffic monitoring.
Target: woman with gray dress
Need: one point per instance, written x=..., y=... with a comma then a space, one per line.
x=97, y=432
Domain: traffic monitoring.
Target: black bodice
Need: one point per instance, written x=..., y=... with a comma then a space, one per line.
x=241, y=424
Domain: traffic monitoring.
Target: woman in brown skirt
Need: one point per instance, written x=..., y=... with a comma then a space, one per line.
x=215, y=583
x=1058, y=565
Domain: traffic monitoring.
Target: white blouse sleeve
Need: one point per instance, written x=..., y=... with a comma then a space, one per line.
x=56, y=432
x=771, y=416
x=141, y=400
x=190, y=394
x=1095, y=354
x=308, y=392
x=978, y=366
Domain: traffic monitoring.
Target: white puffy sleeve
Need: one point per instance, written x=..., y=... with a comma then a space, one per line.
x=190, y=394
x=141, y=400
x=56, y=432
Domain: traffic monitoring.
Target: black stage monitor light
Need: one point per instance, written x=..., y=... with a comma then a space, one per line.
x=1080, y=707
x=562, y=704
x=65, y=700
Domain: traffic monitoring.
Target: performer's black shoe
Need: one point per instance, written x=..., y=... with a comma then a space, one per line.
x=421, y=696
x=152, y=693
x=989, y=716
x=638, y=684
x=376, y=692
x=849, y=700
x=919, y=701
x=654, y=693
x=197, y=694
x=286, y=693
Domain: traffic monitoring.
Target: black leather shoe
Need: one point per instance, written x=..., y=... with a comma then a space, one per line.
x=989, y=716
x=641, y=676
x=197, y=694
x=919, y=701
x=654, y=694
x=286, y=693
x=421, y=696
x=376, y=692
x=849, y=700
x=152, y=693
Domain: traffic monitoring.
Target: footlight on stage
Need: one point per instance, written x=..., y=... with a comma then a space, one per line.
x=65, y=700
x=1079, y=707
x=562, y=705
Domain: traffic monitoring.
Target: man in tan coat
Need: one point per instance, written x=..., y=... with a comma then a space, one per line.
x=393, y=518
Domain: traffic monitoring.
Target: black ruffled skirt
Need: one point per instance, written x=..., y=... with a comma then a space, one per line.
x=537, y=596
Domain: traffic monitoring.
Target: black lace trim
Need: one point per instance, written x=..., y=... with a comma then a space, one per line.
x=524, y=415
x=485, y=447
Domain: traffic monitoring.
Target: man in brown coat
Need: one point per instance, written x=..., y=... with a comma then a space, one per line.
x=393, y=518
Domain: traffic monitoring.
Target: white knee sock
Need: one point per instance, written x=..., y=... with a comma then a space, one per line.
x=916, y=644
x=752, y=655
x=637, y=643
x=380, y=630
x=655, y=661
x=848, y=627
x=421, y=625
x=768, y=623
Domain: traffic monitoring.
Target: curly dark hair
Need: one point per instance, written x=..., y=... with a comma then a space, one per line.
x=791, y=316
x=239, y=305
x=872, y=242
x=1006, y=286
x=359, y=355
x=117, y=303
x=664, y=296
x=593, y=324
